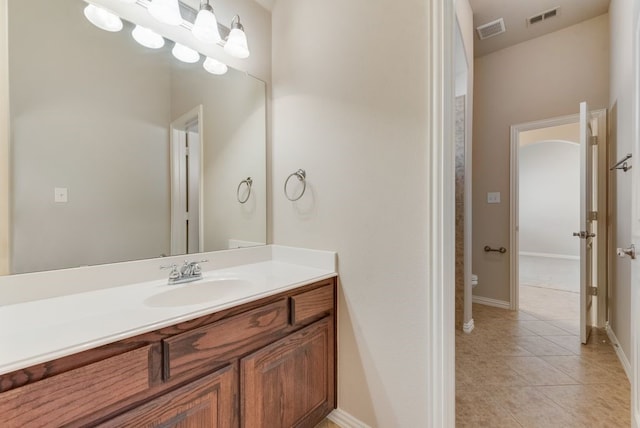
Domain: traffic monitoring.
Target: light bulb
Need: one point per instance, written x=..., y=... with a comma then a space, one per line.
x=214, y=66
x=102, y=18
x=236, y=44
x=147, y=38
x=166, y=11
x=185, y=54
x=205, y=28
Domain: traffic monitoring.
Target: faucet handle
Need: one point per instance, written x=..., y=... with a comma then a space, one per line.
x=197, y=269
x=174, y=274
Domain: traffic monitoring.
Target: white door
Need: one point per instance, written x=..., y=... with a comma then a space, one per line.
x=193, y=191
x=635, y=231
x=586, y=233
x=186, y=183
x=635, y=281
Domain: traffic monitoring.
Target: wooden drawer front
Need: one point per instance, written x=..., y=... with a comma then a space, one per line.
x=212, y=346
x=312, y=304
x=63, y=398
x=207, y=402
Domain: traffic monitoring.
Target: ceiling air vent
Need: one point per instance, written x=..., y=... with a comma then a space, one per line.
x=543, y=16
x=491, y=29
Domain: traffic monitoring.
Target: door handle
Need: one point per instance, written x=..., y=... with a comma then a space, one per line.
x=631, y=252
x=584, y=235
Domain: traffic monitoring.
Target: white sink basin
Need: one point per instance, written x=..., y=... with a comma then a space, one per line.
x=201, y=291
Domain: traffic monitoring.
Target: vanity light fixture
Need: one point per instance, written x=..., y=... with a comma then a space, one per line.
x=166, y=11
x=147, y=38
x=102, y=18
x=236, y=44
x=214, y=66
x=185, y=54
x=205, y=27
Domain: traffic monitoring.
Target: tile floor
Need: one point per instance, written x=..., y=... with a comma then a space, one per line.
x=528, y=368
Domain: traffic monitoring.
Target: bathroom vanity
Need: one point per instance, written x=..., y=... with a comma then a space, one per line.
x=262, y=357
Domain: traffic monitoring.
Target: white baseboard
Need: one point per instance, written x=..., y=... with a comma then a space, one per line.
x=491, y=302
x=468, y=326
x=345, y=420
x=621, y=356
x=549, y=255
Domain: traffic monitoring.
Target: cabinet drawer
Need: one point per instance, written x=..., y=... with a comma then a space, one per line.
x=207, y=402
x=312, y=304
x=213, y=345
x=63, y=398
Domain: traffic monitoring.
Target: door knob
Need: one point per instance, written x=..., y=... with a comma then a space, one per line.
x=584, y=235
x=631, y=252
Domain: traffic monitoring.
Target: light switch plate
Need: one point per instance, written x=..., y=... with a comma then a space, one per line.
x=493, y=197
x=60, y=194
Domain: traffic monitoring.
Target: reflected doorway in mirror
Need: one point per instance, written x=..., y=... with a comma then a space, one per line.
x=186, y=183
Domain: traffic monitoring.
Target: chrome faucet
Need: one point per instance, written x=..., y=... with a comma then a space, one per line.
x=189, y=271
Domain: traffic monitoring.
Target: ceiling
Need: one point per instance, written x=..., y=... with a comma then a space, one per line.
x=516, y=12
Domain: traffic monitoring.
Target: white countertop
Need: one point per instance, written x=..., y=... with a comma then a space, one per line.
x=37, y=331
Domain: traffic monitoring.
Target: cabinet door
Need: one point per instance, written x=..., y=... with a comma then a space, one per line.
x=206, y=402
x=290, y=382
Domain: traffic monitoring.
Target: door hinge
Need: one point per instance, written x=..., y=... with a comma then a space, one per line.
x=594, y=140
x=593, y=215
x=592, y=291
x=186, y=151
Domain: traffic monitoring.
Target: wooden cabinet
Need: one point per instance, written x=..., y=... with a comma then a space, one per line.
x=290, y=382
x=268, y=363
x=206, y=402
x=77, y=393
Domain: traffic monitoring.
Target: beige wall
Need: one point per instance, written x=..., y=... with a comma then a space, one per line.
x=621, y=142
x=568, y=132
x=349, y=106
x=4, y=140
x=538, y=79
x=549, y=198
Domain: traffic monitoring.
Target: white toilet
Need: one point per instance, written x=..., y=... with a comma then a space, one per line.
x=474, y=281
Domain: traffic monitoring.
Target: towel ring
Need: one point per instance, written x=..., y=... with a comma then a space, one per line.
x=301, y=175
x=249, y=183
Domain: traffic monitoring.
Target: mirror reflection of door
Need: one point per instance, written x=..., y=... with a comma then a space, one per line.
x=186, y=183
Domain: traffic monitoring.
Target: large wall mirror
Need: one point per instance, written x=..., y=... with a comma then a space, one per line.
x=120, y=152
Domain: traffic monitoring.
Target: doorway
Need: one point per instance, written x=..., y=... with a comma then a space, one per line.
x=549, y=212
x=545, y=218
x=186, y=183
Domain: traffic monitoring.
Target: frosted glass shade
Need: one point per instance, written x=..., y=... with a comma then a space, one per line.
x=214, y=66
x=147, y=38
x=102, y=18
x=236, y=45
x=185, y=54
x=166, y=11
x=205, y=28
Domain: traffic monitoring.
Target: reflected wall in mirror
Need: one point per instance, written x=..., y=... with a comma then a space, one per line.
x=97, y=123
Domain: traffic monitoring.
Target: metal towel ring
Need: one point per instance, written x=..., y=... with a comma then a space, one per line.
x=301, y=175
x=249, y=183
